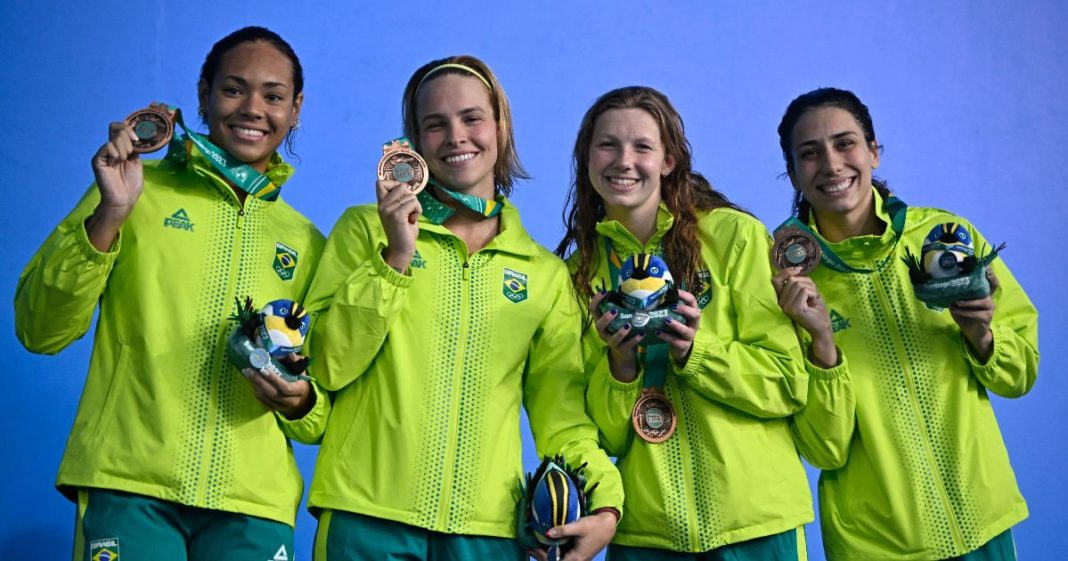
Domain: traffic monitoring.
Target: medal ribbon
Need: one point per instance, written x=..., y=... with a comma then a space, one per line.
x=237, y=172
x=438, y=212
x=894, y=206
x=653, y=358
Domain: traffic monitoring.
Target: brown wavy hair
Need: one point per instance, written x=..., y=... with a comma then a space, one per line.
x=686, y=193
x=507, y=169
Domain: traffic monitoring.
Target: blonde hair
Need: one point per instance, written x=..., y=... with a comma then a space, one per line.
x=507, y=169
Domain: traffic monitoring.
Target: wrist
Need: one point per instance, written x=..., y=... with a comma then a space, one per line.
x=982, y=345
x=823, y=353
x=623, y=368
x=303, y=407
x=609, y=510
x=398, y=260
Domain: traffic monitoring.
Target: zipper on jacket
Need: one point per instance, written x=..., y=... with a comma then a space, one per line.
x=449, y=469
x=219, y=360
x=917, y=412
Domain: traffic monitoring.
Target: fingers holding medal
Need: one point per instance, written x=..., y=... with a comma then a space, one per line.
x=402, y=164
x=795, y=248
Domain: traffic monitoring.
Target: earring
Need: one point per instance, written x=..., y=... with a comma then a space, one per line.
x=295, y=125
x=202, y=113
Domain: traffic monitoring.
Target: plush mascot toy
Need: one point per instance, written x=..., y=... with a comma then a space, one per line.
x=552, y=496
x=643, y=298
x=948, y=269
x=262, y=338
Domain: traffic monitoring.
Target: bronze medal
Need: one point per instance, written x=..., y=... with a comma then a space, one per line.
x=653, y=416
x=153, y=128
x=400, y=163
x=795, y=248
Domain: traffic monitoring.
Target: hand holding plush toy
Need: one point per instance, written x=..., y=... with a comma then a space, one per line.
x=262, y=338
x=948, y=269
x=644, y=298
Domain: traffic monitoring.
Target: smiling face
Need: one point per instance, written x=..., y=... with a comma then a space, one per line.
x=626, y=162
x=250, y=104
x=458, y=133
x=833, y=164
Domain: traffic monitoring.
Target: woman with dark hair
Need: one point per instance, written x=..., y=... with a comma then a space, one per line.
x=173, y=454
x=914, y=464
x=727, y=484
x=437, y=316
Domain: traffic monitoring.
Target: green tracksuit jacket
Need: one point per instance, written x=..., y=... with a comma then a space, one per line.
x=730, y=473
x=164, y=414
x=430, y=368
x=920, y=470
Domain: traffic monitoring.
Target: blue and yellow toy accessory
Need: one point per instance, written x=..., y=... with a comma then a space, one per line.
x=644, y=293
x=272, y=333
x=948, y=268
x=552, y=496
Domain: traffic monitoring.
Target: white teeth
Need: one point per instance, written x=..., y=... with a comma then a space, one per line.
x=248, y=132
x=839, y=186
x=460, y=158
x=622, y=181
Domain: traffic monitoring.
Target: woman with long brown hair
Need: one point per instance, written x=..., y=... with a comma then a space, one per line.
x=728, y=375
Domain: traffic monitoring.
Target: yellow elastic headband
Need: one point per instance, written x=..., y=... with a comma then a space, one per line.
x=467, y=69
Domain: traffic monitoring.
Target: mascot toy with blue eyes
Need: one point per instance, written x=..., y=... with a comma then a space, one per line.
x=643, y=298
x=948, y=268
x=264, y=340
x=553, y=495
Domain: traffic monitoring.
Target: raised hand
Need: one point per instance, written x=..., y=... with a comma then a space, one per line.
x=398, y=210
x=802, y=302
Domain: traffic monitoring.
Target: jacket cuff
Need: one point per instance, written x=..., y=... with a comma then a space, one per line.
x=90, y=252
x=998, y=333
x=839, y=370
x=703, y=343
x=308, y=428
x=386, y=272
x=615, y=385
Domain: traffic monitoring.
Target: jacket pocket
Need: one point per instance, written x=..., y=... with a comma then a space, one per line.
x=101, y=422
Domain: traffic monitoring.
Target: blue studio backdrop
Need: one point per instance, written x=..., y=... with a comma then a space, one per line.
x=967, y=96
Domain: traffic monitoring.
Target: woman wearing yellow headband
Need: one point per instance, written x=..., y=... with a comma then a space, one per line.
x=437, y=315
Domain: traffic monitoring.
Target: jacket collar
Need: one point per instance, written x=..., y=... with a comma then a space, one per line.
x=278, y=171
x=862, y=246
x=511, y=238
x=624, y=241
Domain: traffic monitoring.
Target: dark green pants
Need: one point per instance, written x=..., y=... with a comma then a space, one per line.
x=787, y=546
x=346, y=536
x=1001, y=548
x=117, y=526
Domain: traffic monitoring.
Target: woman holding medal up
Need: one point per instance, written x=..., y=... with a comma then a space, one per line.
x=437, y=315
x=173, y=454
x=726, y=482
x=914, y=464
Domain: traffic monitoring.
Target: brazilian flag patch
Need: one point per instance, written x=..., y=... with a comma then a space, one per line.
x=515, y=285
x=705, y=295
x=285, y=260
x=104, y=550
